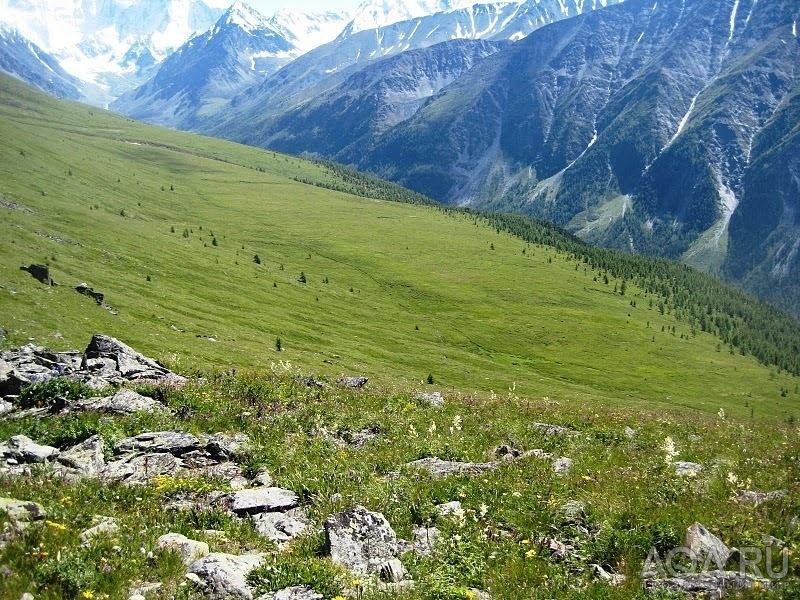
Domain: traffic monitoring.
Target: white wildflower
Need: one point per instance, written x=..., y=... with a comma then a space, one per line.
x=432, y=428
x=670, y=451
x=721, y=414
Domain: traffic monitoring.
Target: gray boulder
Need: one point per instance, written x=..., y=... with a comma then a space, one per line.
x=551, y=430
x=425, y=540
x=562, y=466
x=24, y=450
x=124, y=402
x=757, y=498
x=262, y=500
x=87, y=457
x=360, y=540
x=21, y=511
x=106, y=526
x=115, y=360
x=353, y=382
x=433, y=399
x=189, y=550
x=139, y=470
x=715, y=584
x=224, y=576
x=5, y=408
x=706, y=546
x=298, y=592
x=40, y=273
x=688, y=469
x=447, y=509
x=224, y=446
x=281, y=528
x=172, y=442
x=440, y=469
x=393, y=571
x=85, y=290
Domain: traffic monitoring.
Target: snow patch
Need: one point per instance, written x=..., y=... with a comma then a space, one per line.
x=794, y=29
x=733, y=20
x=684, y=121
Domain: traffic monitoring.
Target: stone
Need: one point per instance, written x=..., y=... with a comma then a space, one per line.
x=425, y=540
x=5, y=408
x=143, y=589
x=448, y=508
x=352, y=382
x=40, y=273
x=552, y=430
x=263, y=478
x=713, y=583
x=630, y=433
x=613, y=579
x=262, y=500
x=139, y=470
x=125, y=362
x=25, y=450
x=573, y=511
x=297, y=592
x=434, y=399
x=224, y=446
x=21, y=511
x=26, y=596
x=480, y=594
x=757, y=498
x=136, y=597
x=393, y=571
x=84, y=289
x=171, y=442
x=189, y=550
x=439, y=468
x=105, y=527
x=224, y=576
x=562, y=466
x=124, y=402
x=360, y=540
x=688, y=469
x=706, y=546
x=281, y=528
x=87, y=457
x=312, y=382
x=558, y=549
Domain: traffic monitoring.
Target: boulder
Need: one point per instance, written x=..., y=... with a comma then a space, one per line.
x=40, y=273
x=139, y=470
x=688, y=469
x=298, y=592
x=439, y=468
x=24, y=450
x=189, y=550
x=87, y=457
x=352, y=382
x=757, y=498
x=393, y=571
x=552, y=430
x=425, y=540
x=106, y=526
x=360, y=540
x=433, y=399
x=21, y=511
x=83, y=288
x=262, y=500
x=447, y=509
x=562, y=466
x=715, y=584
x=124, y=402
x=224, y=576
x=706, y=546
x=5, y=408
x=224, y=446
x=114, y=359
x=171, y=442
x=281, y=528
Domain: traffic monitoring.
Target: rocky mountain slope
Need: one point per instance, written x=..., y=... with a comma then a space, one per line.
x=637, y=126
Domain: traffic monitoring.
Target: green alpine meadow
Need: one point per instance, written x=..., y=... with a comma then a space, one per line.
x=303, y=382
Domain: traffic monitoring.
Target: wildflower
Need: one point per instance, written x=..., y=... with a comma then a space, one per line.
x=670, y=451
x=412, y=432
x=526, y=542
x=457, y=422
x=469, y=595
x=482, y=510
x=459, y=516
x=516, y=494
x=55, y=525
x=733, y=479
x=356, y=583
x=530, y=554
x=87, y=595
x=432, y=428
x=721, y=414
x=339, y=598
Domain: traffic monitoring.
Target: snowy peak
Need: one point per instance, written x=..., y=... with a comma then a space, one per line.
x=244, y=17
x=309, y=30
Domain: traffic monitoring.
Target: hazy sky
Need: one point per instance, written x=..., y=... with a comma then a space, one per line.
x=270, y=7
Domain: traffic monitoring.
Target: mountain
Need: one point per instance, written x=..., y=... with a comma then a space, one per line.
x=308, y=30
x=322, y=69
x=661, y=129
x=239, y=51
x=111, y=43
x=26, y=61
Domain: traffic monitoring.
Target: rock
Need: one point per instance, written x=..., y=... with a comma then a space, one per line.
x=714, y=583
x=170, y=442
x=360, y=540
x=262, y=500
x=688, y=469
x=25, y=450
x=552, y=430
x=224, y=446
x=630, y=433
x=298, y=592
x=706, y=546
x=439, y=468
x=562, y=466
x=393, y=571
x=425, y=540
x=352, y=382
x=26, y=596
x=143, y=589
x=613, y=579
x=558, y=549
x=136, y=597
x=756, y=498
x=771, y=541
x=20, y=511
x=121, y=362
x=573, y=511
x=263, y=478
x=40, y=273
x=83, y=288
x=224, y=576
x=189, y=550
x=281, y=528
x=433, y=399
x=312, y=381
x=5, y=408
x=448, y=508
x=239, y=483
x=139, y=470
x=87, y=457
x=480, y=594
x=105, y=527
x=124, y=402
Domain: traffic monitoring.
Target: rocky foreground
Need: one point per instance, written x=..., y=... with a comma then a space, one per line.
x=359, y=542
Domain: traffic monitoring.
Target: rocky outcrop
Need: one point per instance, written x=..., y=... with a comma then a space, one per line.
x=360, y=540
x=352, y=382
x=715, y=584
x=22, y=449
x=262, y=500
x=224, y=576
x=281, y=528
x=124, y=402
x=40, y=273
x=83, y=288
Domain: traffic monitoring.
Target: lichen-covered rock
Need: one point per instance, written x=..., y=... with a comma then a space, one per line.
x=262, y=500
x=224, y=576
x=22, y=511
x=24, y=450
x=139, y=470
x=360, y=540
x=281, y=528
x=124, y=402
x=86, y=458
x=713, y=583
x=189, y=550
x=171, y=442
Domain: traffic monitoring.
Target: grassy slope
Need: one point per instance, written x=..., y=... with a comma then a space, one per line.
x=488, y=319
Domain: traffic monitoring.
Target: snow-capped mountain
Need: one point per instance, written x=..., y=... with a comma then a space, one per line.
x=237, y=52
x=113, y=43
x=375, y=14
x=309, y=30
x=26, y=61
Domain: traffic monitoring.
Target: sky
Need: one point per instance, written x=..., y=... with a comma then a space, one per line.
x=270, y=7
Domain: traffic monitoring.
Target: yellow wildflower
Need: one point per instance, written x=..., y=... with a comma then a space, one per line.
x=469, y=595
x=530, y=554
x=55, y=525
x=87, y=595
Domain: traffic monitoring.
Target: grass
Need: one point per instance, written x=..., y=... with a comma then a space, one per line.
x=411, y=291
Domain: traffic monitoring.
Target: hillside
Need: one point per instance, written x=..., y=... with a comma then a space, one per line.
x=167, y=226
